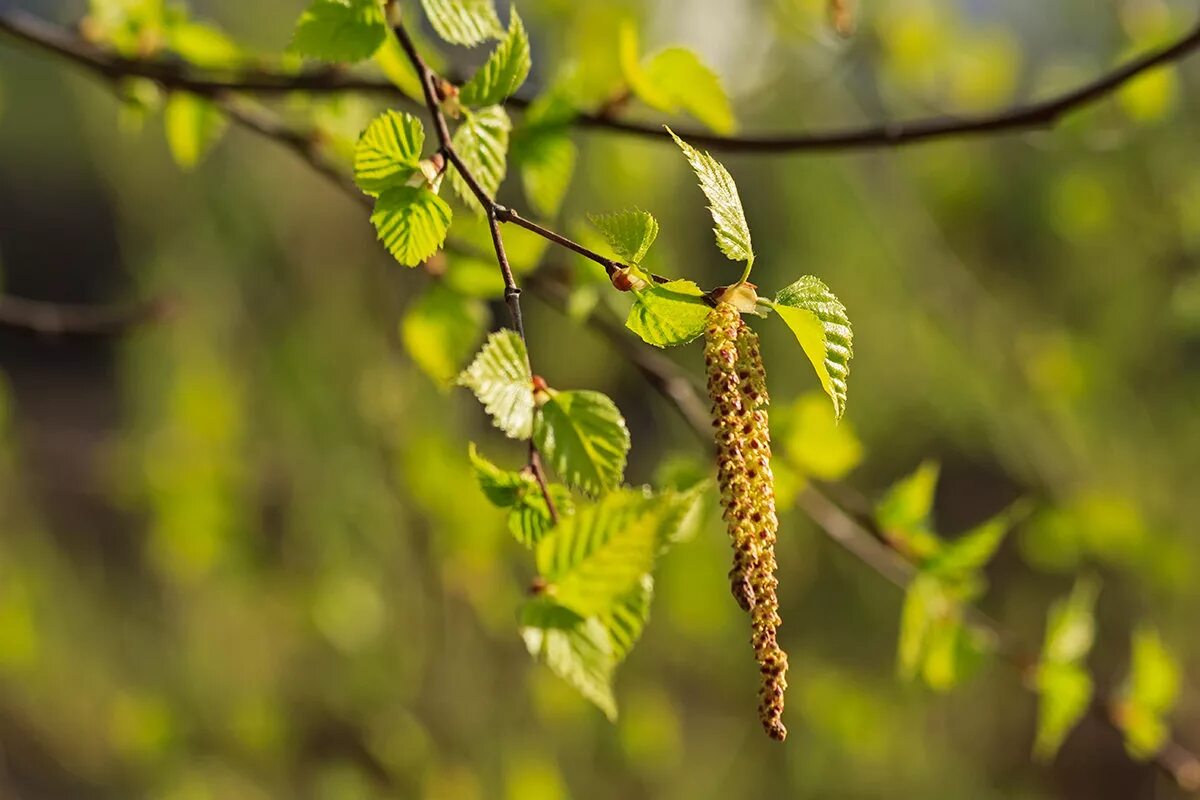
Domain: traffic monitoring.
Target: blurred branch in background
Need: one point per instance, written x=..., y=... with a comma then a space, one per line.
x=64, y=319
x=211, y=83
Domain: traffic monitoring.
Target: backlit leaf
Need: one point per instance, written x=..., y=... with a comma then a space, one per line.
x=576, y=649
x=583, y=437
x=669, y=313
x=441, y=330
x=732, y=232
x=388, y=151
x=465, y=22
x=819, y=321
x=411, y=222
x=192, y=126
x=630, y=233
x=505, y=70
x=500, y=377
x=340, y=30
x=482, y=143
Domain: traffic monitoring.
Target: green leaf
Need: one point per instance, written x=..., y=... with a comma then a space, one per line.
x=905, y=513
x=811, y=441
x=1063, y=684
x=953, y=651
x=411, y=222
x=819, y=321
x=972, y=551
x=505, y=70
x=1071, y=624
x=630, y=233
x=674, y=80
x=388, y=152
x=687, y=84
x=576, y=649
x=545, y=157
x=668, y=314
x=482, y=143
x=1155, y=677
x=465, y=22
x=628, y=616
x=501, y=487
x=583, y=437
x=500, y=377
x=203, y=45
x=733, y=234
x=441, y=330
x=916, y=616
x=1064, y=694
x=601, y=554
x=529, y=517
x=1149, y=695
x=340, y=30
x=192, y=126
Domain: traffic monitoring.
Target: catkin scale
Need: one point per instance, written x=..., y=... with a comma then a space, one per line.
x=737, y=387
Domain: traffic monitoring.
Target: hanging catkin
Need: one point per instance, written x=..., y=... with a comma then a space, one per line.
x=737, y=386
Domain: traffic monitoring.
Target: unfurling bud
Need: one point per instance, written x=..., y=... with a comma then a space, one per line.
x=623, y=280
x=737, y=386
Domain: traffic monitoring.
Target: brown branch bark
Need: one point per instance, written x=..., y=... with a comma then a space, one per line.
x=1039, y=114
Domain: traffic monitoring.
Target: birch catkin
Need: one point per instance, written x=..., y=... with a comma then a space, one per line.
x=737, y=386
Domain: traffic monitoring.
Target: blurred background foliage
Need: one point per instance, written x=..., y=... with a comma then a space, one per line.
x=242, y=553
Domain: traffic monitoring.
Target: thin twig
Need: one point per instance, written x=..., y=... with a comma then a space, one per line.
x=1035, y=115
x=76, y=319
x=512, y=292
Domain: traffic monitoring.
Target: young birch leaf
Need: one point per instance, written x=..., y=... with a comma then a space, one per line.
x=674, y=80
x=340, y=30
x=972, y=551
x=388, y=151
x=465, y=22
x=192, y=126
x=501, y=487
x=630, y=233
x=441, y=330
x=500, y=377
x=505, y=70
x=1151, y=692
x=1063, y=683
x=916, y=618
x=599, y=555
x=668, y=314
x=528, y=515
x=819, y=321
x=482, y=143
x=583, y=437
x=688, y=85
x=576, y=649
x=1064, y=693
x=529, y=519
x=411, y=222
x=733, y=234
x=628, y=616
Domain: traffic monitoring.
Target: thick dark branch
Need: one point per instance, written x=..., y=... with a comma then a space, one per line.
x=73, y=319
x=1031, y=116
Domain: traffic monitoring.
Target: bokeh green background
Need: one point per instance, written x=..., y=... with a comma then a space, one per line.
x=241, y=551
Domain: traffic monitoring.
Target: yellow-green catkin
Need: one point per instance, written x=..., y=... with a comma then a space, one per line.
x=737, y=386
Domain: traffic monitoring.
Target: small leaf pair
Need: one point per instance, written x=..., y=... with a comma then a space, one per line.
x=581, y=434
